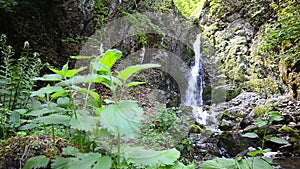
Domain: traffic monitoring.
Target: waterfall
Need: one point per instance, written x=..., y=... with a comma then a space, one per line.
x=195, y=85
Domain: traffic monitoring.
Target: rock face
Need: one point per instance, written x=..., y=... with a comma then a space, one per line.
x=53, y=27
x=235, y=29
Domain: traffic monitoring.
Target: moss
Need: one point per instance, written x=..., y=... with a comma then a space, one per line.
x=265, y=86
x=260, y=110
x=190, y=9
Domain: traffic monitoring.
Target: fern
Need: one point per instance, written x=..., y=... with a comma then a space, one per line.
x=15, y=81
x=15, y=75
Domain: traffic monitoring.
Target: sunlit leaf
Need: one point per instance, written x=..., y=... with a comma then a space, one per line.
x=71, y=73
x=58, y=94
x=131, y=84
x=58, y=72
x=254, y=153
x=65, y=69
x=129, y=71
x=110, y=57
x=82, y=57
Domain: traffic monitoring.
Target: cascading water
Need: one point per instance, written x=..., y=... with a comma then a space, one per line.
x=195, y=85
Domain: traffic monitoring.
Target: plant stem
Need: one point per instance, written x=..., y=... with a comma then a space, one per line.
x=249, y=165
x=263, y=140
x=73, y=106
x=54, y=140
x=87, y=95
x=119, y=151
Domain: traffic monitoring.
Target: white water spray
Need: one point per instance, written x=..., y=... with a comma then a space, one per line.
x=195, y=85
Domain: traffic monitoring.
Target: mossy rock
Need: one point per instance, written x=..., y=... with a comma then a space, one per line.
x=17, y=150
x=234, y=143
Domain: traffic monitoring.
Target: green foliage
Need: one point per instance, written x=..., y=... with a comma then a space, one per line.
x=253, y=162
x=186, y=145
x=142, y=157
x=191, y=9
x=142, y=23
x=284, y=34
x=156, y=5
x=262, y=123
x=7, y=5
x=166, y=119
x=15, y=75
x=127, y=113
x=80, y=160
x=15, y=84
x=119, y=119
x=101, y=11
x=239, y=163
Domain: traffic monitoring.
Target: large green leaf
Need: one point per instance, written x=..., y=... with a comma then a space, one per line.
x=36, y=162
x=84, y=121
x=103, y=163
x=70, y=151
x=129, y=71
x=73, y=72
x=43, y=111
x=84, y=161
x=54, y=119
x=81, y=160
x=124, y=118
x=91, y=93
x=110, y=57
x=143, y=157
x=61, y=163
x=218, y=163
x=111, y=79
x=47, y=90
x=255, y=163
